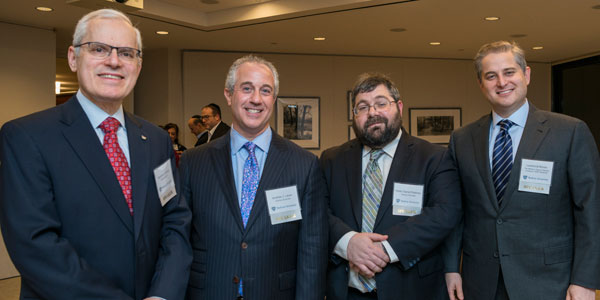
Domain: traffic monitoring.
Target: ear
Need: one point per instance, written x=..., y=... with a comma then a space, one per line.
x=527, y=74
x=400, y=106
x=72, y=59
x=227, y=96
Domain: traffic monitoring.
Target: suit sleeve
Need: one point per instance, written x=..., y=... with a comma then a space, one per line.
x=31, y=226
x=584, y=186
x=312, y=242
x=175, y=253
x=422, y=233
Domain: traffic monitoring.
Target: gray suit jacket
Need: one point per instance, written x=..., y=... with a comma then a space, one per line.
x=284, y=261
x=542, y=243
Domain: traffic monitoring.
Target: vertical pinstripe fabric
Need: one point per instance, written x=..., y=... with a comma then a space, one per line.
x=502, y=159
x=372, y=191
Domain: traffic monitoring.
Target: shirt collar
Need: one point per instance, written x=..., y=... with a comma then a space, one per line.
x=519, y=117
x=95, y=114
x=389, y=149
x=212, y=131
x=263, y=141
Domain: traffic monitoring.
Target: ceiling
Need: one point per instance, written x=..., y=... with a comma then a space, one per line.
x=565, y=29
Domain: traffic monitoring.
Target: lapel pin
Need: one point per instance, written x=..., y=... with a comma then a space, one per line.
x=144, y=137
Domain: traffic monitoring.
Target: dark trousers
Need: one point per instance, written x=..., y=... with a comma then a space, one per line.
x=501, y=293
x=354, y=294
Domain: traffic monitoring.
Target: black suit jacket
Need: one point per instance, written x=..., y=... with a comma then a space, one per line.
x=541, y=242
x=220, y=131
x=419, y=272
x=278, y=262
x=64, y=218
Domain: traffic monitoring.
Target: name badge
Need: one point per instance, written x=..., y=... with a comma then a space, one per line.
x=536, y=176
x=408, y=199
x=165, y=184
x=283, y=205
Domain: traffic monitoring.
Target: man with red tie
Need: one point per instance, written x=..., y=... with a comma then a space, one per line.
x=88, y=202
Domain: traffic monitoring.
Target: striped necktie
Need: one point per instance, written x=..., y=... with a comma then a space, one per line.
x=502, y=160
x=372, y=192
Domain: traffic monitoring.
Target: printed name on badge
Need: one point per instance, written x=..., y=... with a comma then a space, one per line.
x=283, y=205
x=165, y=184
x=408, y=199
x=536, y=176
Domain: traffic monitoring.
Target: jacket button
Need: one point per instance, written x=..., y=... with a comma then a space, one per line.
x=499, y=221
x=244, y=245
x=496, y=254
x=236, y=280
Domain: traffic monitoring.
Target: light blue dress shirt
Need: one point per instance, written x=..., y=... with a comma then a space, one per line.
x=239, y=154
x=519, y=117
x=96, y=116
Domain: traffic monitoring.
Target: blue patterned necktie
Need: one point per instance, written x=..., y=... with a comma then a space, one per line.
x=372, y=192
x=502, y=160
x=249, y=182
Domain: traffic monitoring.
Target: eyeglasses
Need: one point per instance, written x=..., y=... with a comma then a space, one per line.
x=101, y=50
x=205, y=117
x=379, y=105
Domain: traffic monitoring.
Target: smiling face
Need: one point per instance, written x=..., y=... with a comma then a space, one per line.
x=106, y=81
x=377, y=128
x=503, y=82
x=252, y=99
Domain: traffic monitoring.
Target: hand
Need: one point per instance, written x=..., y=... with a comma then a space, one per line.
x=365, y=256
x=576, y=292
x=454, y=286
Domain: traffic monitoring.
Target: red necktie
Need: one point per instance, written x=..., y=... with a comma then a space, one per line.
x=117, y=157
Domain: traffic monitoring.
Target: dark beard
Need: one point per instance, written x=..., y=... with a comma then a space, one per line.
x=390, y=132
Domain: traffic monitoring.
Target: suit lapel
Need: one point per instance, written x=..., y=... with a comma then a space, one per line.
x=353, y=166
x=399, y=164
x=139, y=156
x=533, y=134
x=277, y=157
x=481, y=137
x=83, y=139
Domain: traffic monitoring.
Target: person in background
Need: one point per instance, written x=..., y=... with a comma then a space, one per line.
x=173, y=131
x=211, y=119
x=197, y=129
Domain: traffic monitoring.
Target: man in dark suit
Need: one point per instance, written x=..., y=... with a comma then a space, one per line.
x=259, y=228
x=197, y=129
x=81, y=214
x=211, y=119
x=531, y=194
x=393, y=199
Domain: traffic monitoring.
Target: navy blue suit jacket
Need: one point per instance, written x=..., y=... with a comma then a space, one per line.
x=64, y=218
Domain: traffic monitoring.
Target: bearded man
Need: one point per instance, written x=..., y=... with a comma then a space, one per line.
x=393, y=199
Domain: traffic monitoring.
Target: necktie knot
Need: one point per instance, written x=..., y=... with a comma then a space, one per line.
x=375, y=155
x=109, y=124
x=250, y=146
x=506, y=124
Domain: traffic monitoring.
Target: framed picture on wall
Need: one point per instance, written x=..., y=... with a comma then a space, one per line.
x=351, y=134
x=350, y=105
x=434, y=124
x=297, y=119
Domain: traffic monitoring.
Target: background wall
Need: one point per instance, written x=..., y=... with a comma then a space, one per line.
x=422, y=83
x=28, y=60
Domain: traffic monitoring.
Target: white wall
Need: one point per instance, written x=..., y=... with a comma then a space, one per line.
x=28, y=60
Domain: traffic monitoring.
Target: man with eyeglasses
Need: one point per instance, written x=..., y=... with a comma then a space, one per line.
x=259, y=229
x=88, y=203
x=211, y=119
x=393, y=199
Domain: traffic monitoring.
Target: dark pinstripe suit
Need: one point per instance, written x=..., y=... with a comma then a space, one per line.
x=284, y=261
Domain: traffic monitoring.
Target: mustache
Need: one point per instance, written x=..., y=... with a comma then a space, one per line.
x=375, y=119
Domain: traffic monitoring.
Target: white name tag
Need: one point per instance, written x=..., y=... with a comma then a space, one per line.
x=536, y=176
x=165, y=184
x=408, y=199
x=283, y=205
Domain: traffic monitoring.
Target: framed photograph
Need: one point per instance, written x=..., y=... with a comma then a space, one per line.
x=434, y=124
x=351, y=134
x=350, y=105
x=297, y=119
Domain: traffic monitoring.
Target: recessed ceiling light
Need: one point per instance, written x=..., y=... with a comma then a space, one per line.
x=537, y=48
x=492, y=18
x=435, y=43
x=162, y=32
x=44, y=9
x=319, y=38
x=398, y=29
x=596, y=6
x=518, y=35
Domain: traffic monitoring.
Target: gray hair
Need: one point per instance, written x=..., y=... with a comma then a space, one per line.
x=232, y=74
x=106, y=13
x=500, y=47
x=367, y=82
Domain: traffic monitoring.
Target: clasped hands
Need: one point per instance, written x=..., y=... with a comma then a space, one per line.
x=366, y=254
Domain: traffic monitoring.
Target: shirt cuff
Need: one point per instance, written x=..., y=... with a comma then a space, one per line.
x=390, y=251
x=341, y=248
